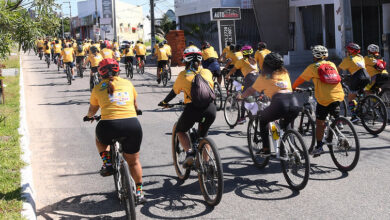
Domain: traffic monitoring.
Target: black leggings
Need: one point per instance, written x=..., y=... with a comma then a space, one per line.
x=127, y=128
x=248, y=82
x=191, y=114
x=283, y=105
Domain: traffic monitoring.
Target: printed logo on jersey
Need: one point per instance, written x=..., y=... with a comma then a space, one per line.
x=121, y=98
x=282, y=84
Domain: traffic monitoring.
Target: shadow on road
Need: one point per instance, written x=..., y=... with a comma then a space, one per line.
x=50, y=84
x=70, y=102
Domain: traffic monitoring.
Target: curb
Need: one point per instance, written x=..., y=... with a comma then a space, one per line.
x=28, y=210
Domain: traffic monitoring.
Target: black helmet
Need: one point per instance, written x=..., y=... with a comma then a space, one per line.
x=161, y=44
x=261, y=45
x=93, y=49
x=232, y=46
x=165, y=41
x=274, y=61
x=205, y=44
x=237, y=48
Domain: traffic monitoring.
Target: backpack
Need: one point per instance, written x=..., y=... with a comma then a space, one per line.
x=80, y=48
x=380, y=65
x=201, y=92
x=328, y=74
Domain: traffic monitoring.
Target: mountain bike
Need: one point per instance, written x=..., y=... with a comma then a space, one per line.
x=80, y=68
x=129, y=70
x=169, y=71
x=164, y=75
x=218, y=95
x=93, y=81
x=231, y=109
x=289, y=149
x=123, y=181
x=59, y=64
x=384, y=94
x=47, y=60
x=139, y=67
x=207, y=163
x=40, y=54
x=68, y=73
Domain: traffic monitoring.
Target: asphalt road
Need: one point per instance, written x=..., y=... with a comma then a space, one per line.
x=67, y=184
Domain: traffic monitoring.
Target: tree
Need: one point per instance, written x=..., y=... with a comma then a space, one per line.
x=200, y=31
x=17, y=27
x=165, y=26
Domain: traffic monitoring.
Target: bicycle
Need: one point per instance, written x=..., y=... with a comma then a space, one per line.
x=59, y=64
x=231, y=109
x=123, y=181
x=289, y=149
x=47, y=60
x=164, y=76
x=169, y=71
x=129, y=70
x=40, y=54
x=218, y=95
x=68, y=73
x=93, y=81
x=80, y=69
x=139, y=67
x=207, y=163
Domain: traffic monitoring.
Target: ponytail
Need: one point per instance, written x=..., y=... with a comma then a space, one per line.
x=110, y=88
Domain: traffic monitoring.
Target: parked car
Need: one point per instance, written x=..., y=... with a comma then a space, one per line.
x=123, y=45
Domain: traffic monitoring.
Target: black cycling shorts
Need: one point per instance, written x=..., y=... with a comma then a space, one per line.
x=359, y=80
x=191, y=115
x=80, y=59
x=129, y=59
x=128, y=128
x=94, y=69
x=142, y=57
x=162, y=63
x=71, y=64
x=323, y=111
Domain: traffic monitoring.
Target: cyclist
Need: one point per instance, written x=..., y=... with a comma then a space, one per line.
x=80, y=54
x=52, y=43
x=57, y=50
x=115, y=44
x=328, y=91
x=117, y=54
x=261, y=52
x=94, y=58
x=156, y=47
x=169, y=50
x=97, y=45
x=162, y=60
x=234, y=56
x=140, y=51
x=47, y=49
x=274, y=80
x=106, y=52
x=210, y=60
x=205, y=116
x=40, y=44
x=354, y=63
x=191, y=45
x=248, y=67
x=225, y=51
x=68, y=57
x=376, y=67
x=117, y=99
x=128, y=53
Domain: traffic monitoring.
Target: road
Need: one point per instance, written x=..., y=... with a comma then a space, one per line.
x=65, y=164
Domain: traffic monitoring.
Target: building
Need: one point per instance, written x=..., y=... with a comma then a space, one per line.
x=96, y=21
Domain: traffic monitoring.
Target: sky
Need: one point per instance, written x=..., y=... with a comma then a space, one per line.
x=161, y=6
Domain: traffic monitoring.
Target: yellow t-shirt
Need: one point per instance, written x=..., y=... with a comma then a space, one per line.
x=47, y=49
x=118, y=105
x=67, y=55
x=94, y=59
x=162, y=54
x=97, y=46
x=107, y=53
x=155, y=49
x=140, y=49
x=82, y=53
x=168, y=49
x=271, y=86
x=226, y=50
x=116, y=45
x=184, y=81
x=370, y=62
x=209, y=53
x=353, y=63
x=40, y=43
x=259, y=57
x=324, y=93
x=57, y=48
x=245, y=67
x=117, y=55
x=129, y=53
x=234, y=57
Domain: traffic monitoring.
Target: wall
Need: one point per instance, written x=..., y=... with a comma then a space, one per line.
x=130, y=16
x=187, y=7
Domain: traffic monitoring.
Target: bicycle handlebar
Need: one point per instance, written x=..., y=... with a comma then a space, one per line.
x=98, y=117
x=302, y=90
x=181, y=103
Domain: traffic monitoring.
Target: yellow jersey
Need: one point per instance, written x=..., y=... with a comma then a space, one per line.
x=226, y=50
x=128, y=52
x=234, y=57
x=353, y=63
x=67, y=55
x=82, y=53
x=370, y=62
x=107, y=53
x=184, y=81
x=260, y=55
x=57, y=48
x=140, y=49
x=246, y=67
x=325, y=93
x=168, y=49
x=118, y=105
x=271, y=86
x=209, y=53
x=47, y=49
x=94, y=59
x=162, y=54
x=40, y=43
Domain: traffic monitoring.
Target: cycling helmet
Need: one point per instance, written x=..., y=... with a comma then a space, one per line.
x=165, y=41
x=274, y=60
x=261, y=45
x=319, y=51
x=192, y=54
x=372, y=48
x=353, y=48
x=205, y=44
x=247, y=50
x=161, y=44
x=108, y=65
x=93, y=49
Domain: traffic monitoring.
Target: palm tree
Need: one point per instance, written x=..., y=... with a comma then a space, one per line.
x=200, y=31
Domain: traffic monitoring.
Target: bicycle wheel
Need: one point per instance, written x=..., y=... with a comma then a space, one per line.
x=169, y=73
x=255, y=143
x=343, y=144
x=385, y=96
x=179, y=155
x=128, y=191
x=211, y=175
x=91, y=84
x=294, y=161
x=127, y=70
x=306, y=126
x=81, y=72
x=344, y=108
x=115, y=162
x=142, y=69
x=164, y=77
x=137, y=67
x=231, y=111
x=68, y=75
x=131, y=71
x=218, y=96
x=373, y=114
x=58, y=66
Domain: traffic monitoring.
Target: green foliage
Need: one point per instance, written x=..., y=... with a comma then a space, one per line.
x=200, y=31
x=165, y=26
x=18, y=27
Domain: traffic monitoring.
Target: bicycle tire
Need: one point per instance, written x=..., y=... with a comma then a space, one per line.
x=212, y=196
x=142, y=70
x=137, y=68
x=81, y=72
x=114, y=163
x=169, y=73
x=68, y=75
x=91, y=85
x=349, y=166
x=58, y=66
x=294, y=158
x=131, y=73
x=128, y=191
x=178, y=155
x=385, y=96
x=343, y=108
x=218, y=96
x=233, y=107
x=254, y=139
x=306, y=126
x=127, y=70
x=365, y=113
x=164, y=78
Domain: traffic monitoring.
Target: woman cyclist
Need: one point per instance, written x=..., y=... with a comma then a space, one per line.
x=275, y=82
x=117, y=99
x=376, y=67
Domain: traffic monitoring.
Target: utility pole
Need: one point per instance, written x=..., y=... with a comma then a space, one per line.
x=62, y=21
x=153, y=31
x=114, y=17
x=97, y=20
x=70, y=18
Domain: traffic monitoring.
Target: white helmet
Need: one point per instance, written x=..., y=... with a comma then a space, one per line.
x=373, y=48
x=319, y=51
x=192, y=53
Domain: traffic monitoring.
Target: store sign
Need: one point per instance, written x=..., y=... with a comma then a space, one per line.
x=107, y=10
x=225, y=14
x=228, y=33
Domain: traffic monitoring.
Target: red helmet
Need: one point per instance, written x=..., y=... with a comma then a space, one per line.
x=353, y=48
x=108, y=65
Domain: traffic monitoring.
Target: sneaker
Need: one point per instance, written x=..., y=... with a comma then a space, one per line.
x=140, y=198
x=106, y=171
x=354, y=119
x=73, y=78
x=264, y=152
x=189, y=160
x=158, y=80
x=317, y=151
x=241, y=121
